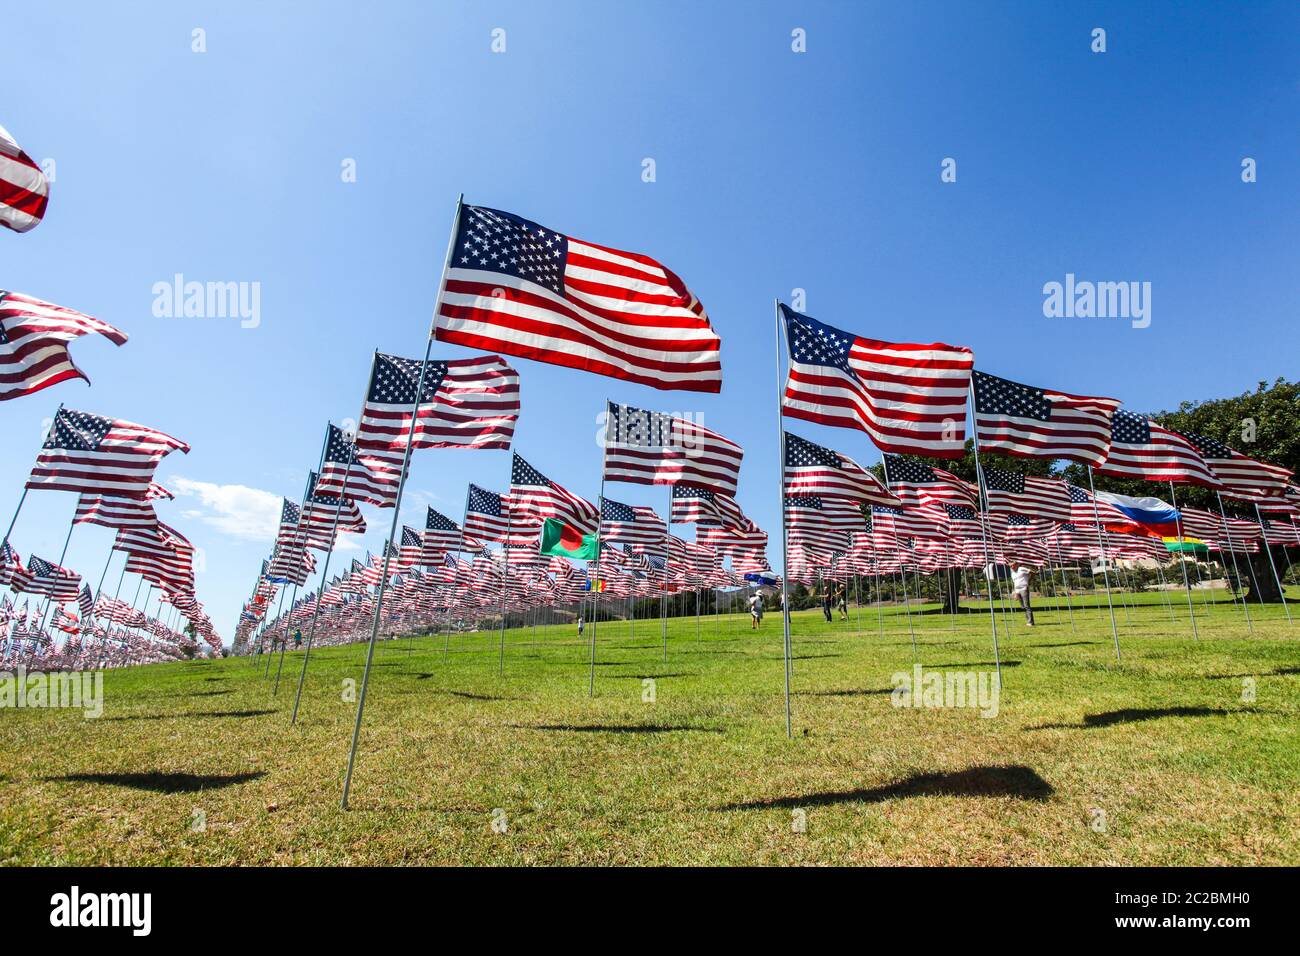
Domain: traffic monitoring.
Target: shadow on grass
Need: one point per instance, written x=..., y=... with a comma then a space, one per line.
x=974, y=664
x=844, y=693
x=1018, y=782
x=466, y=695
x=197, y=713
x=619, y=728
x=652, y=676
x=1279, y=672
x=1068, y=644
x=1136, y=715
x=198, y=693
x=156, y=782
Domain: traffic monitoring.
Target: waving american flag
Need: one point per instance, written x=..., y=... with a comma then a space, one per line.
x=653, y=448
x=466, y=403
x=95, y=455
x=24, y=190
x=1030, y=422
x=812, y=469
x=520, y=289
x=907, y=398
x=34, y=337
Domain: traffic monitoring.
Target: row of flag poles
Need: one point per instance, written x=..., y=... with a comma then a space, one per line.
x=517, y=288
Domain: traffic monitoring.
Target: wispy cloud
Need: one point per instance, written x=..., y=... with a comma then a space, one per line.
x=235, y=510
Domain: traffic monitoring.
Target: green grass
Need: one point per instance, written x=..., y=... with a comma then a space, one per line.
x=1185, y=771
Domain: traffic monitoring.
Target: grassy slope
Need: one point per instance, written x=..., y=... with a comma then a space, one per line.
x=704, y=774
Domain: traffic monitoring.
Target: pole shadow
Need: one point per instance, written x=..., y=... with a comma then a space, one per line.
x=158, y=782
x=1014, y=781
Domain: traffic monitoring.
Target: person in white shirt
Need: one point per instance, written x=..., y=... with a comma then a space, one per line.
x=755, y=611
x=1021, y=578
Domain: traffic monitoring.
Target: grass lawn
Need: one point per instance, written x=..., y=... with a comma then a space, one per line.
x=1160, y=759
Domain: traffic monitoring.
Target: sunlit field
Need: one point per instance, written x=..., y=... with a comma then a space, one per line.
x=1185, y=752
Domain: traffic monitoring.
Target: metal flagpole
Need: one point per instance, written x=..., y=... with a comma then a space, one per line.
x=785, y=543
x=1272, y=564
x=984, y=531
x=1105, y=563
x=279, y=611
x=1065, y=583
x=284, y=643
x=505, y=577
x=663, y=595
x=397, y=505
x=1232, y=550
x=595, y=585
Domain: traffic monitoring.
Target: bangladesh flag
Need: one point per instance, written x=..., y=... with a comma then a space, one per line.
x=565, y=540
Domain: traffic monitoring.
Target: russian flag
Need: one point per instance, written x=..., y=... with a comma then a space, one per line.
x=1157, y=518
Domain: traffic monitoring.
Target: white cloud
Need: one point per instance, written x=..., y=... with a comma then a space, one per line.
x=236, y=510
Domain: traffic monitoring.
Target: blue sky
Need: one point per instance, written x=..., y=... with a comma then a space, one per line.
x=775, y=170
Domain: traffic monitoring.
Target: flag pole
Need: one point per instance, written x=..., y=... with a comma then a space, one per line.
x=785, y=543
x=663, y=593
x=397, y=505
x=324, y=576
x=1182, y=562
x=1272, y=564
x=987, y=570
x=595, y=585
x=1232, y=550
x=298, y=539
x=460, y=549
x=1105, y=562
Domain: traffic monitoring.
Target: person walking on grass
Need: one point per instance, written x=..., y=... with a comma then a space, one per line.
x=828, y=600
x=842, y=602
x=581, y=625
x=1021, y=578
x=755, y=611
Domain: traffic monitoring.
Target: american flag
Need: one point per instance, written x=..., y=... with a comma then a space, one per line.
x=963, y=521
x=1287, y=504
x=814, y=470
x=34, y=337
x=814, y=521
x=370, y=476
x=441, y=535
x=113, y=512
x=289, y=515
x=533, y=495
x=910, y=399
x=100, y=456
x=628, y=524
x=929, y=522
x=1141, y=448
x=652, y=448
x=323, y=515
x=1237, y=472
x=485, y=518
x=411, y=551
x=517, y=288
x=86, y=601
x=1010, y=492
x=160, y=554
x=56, y=583
x=691, y=504
x=746, y=549
x=24, y=190
x=466, y=403
x=915, y=483
x=1030, y=422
